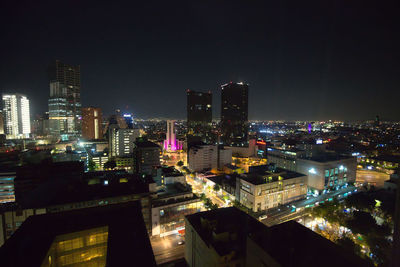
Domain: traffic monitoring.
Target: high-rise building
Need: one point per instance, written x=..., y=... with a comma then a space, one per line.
x=121, y=141
x=234, y=114
x=170, y=142
x=65, y=99
x=16, y=116
x=199, y=117
x=92, y=123
x=146, y=157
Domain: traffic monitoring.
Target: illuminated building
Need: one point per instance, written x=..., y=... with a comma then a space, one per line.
x=230, y=237
x=125, y=162
x=99, y=159
x=7, y=193
x=199, y=117
x=16, y=116
x=65, y=99
x=234, y=114
x=1, y=122
x=128, y=117
x=170, y=143
x=207, y=157
x=121, y=141
x=110, y=235
x=92, y=123
x=146, y=156
x=169, y=209
x=325, y=170
x=266, y=190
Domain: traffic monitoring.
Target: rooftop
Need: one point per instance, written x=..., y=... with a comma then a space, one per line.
x=263, y=177
x=146, y=144
x=326, y=157
x=292, y=244
x=127, y=235
x=226, y=220
x=288, y=244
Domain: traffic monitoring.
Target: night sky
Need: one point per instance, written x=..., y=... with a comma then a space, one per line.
x=303, y=60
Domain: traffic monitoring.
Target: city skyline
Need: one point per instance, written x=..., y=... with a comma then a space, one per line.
x=331, y=61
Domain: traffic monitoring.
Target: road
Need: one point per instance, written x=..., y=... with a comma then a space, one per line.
x=371, y=177
x=167, y=248
x=286, y=213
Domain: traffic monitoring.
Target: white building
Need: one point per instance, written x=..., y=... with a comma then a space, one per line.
x=122, y=141
x=204, y=157
x=17, y=118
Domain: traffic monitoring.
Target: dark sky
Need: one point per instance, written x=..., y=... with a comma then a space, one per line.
x=304, y=60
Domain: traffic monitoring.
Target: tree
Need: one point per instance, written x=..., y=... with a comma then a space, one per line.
x=180, y=163
x=361, y=223
x=111, y=164
x=91, y=165
x=216, y=188
x=348, y=244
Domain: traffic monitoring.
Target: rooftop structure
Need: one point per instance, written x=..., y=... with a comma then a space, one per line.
x=231, y=237
x=108, y=236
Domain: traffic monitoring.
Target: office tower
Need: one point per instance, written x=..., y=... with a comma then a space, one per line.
x=199, y=117
x=1, y=122
x=65, y=99
x=170, y=143
x=146, y=156
x=16, y=116
x=234, y=114
x=121, y=141
x=92, y=123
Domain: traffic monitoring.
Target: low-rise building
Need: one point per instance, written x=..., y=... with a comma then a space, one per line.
x=207, y=157
x=170, y=207
x=262, y=191
x=230, y=237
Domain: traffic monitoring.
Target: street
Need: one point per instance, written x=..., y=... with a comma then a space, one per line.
x=372, y=177
x=168, y=248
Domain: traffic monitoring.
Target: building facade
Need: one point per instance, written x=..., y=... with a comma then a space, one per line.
x=146, y=156
x=260, y=192
x=17, y=120
x=121, y=141
x=92, y=123
x=234, y=114
x=65, y=99
x=206, y=157
x=199, y=117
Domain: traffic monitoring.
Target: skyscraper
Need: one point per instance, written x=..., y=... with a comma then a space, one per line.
x=65, y=99
x=234, y=114
x=199, y=117
x=16, y=116
x=92, y=123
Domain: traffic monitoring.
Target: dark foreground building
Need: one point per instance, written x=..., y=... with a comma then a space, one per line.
x=230, y=237
x=113, y=235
